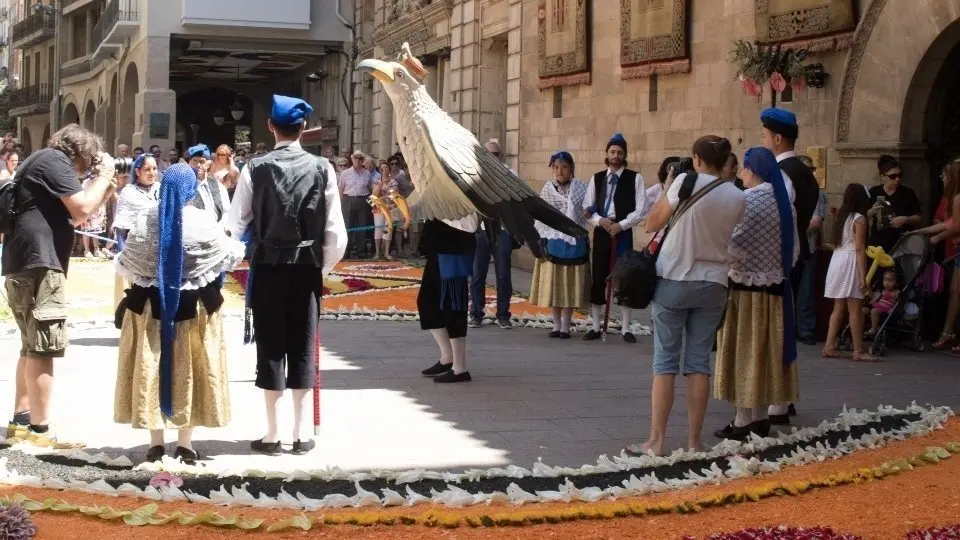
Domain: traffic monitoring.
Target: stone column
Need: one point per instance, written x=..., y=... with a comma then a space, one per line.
x=464, y=59
x=88, y=46
x=512, y=147
x=155, y=96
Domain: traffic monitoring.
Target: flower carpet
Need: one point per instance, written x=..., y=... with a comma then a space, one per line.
x=886, y=473
x=355, y=290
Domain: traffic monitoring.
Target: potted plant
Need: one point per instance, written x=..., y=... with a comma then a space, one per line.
x=759, y=64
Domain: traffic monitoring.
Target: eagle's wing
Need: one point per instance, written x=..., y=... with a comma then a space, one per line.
x=489, y=185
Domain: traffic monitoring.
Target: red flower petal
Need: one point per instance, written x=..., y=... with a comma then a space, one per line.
x=777, y=82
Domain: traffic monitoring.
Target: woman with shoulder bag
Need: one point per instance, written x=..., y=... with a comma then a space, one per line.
x=691, y=292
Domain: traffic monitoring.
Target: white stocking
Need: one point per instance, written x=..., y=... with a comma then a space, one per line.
x=442, y=338
x=272, y=401
x=744, y=417
x=779, y=410
x=156, y=437
x=185, y=438
x=596, y=311
x=301, y=411
x=625, y=314
x=565, y=319
x=557, y=322
x=459, y=346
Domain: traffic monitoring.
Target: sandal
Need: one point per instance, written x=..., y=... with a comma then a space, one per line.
x=861, y=357
x=944, y=341
x=831, y=353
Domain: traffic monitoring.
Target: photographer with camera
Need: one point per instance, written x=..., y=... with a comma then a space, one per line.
x=48, y=202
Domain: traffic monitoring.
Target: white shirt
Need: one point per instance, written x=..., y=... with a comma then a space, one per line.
x=203, y=189
x=334, y=232
x=652, y=195
x=696, y=248
x=633, y=218
x=786, y=177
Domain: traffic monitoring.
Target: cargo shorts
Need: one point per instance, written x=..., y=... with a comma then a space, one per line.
x=37, y=298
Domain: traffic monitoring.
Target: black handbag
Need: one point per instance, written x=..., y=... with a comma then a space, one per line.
x=634, y=275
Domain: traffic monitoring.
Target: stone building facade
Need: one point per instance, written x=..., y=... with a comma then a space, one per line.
x=546, y=75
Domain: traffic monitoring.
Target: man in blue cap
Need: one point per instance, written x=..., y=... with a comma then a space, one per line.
x=780, y=132
x=288, y=198
x=614, y=205
x=211, y=195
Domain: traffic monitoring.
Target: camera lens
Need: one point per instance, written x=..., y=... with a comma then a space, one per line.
x=123, y=165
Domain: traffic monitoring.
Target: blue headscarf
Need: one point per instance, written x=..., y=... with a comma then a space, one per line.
x=178, y=188
x=762, y=162
x=562, y=155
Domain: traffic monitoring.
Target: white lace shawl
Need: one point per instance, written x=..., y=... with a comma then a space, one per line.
x=208, y=250
x=754, y=248
x=133, y=201
x=568, y=204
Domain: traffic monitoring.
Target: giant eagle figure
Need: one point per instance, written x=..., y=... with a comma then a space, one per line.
x=455, y=177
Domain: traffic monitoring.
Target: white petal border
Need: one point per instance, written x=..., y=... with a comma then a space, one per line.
x=931, y=419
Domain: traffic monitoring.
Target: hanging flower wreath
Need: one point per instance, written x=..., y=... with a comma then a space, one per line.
x=759, y=64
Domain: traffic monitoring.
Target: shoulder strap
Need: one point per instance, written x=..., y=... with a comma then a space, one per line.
x=685, y=205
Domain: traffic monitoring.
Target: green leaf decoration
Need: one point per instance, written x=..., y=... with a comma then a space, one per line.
x=163, y=519
x=135, y=519
x=90, y=510
x=109, y=513
x=296, y=522
x=18, y=499
x=941, y=453
x=147, y=510
x=953, y=447
x=63, y=507
x=228, y=522
x=249, y=524
x=199, y=519
x=33, y=506
x=930, y=457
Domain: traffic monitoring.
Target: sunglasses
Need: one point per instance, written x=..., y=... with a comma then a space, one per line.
x=895, y=176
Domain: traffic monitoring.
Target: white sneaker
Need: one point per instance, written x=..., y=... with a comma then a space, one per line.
x=87, y=255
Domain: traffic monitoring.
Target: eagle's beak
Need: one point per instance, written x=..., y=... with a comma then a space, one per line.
x=378, y=68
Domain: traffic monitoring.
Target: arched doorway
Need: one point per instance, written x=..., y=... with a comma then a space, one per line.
x=46, y=136
x=26, y=140
x=111, y=130
x=126, y=124
x=202, y=108
x=878, y=116
x=89, y=116
x=71, y=115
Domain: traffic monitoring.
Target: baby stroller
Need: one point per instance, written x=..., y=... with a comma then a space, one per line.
x=904, y=323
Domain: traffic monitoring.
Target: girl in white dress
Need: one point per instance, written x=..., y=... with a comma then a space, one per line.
x=846, y=277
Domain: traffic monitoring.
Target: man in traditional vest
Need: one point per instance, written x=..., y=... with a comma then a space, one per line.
x=614, y=205
x=211, y=194
x=289, y=200
x=780, y=132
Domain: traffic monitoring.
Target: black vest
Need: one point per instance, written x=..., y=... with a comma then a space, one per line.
x=624, y=200
x=808, y=195
x=214, y=187
x=289, y=207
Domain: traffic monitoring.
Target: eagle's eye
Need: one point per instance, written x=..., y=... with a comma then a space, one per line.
x=400, y=74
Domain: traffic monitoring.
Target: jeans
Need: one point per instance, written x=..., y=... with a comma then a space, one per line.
x=806, y=310
x=686, y=315
x=501, y=265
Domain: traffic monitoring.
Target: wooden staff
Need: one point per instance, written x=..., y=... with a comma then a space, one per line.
x=606, y=310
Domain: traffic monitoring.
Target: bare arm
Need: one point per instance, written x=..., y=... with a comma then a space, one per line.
x=83, y=204
x=953, y=230
x=860, y=240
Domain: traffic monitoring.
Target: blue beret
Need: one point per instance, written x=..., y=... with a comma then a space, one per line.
x=199, y=150
x=289, y=111
x=617, y=140
x=780, y=121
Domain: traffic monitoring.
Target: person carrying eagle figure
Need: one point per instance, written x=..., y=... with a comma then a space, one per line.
x=458, y=182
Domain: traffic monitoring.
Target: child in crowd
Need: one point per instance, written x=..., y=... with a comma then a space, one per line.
x=846, y=276
x=883, y=301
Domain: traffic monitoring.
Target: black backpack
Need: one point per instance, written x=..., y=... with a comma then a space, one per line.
x=9, y=206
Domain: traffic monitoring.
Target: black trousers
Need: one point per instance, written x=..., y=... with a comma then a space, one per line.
x=432, y=314
x=601, y=268
x=356, y=213
x=286, y=315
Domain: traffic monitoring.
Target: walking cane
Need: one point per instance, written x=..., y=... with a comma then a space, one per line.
x=606, y=311
x=316, y=385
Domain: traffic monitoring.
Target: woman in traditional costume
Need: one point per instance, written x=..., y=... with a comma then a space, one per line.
x=172, y=371
x=560, y=278
x=442, y=300
x=134, y=199
x=756, y=347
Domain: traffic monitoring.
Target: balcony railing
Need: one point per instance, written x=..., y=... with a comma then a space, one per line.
x=118, y=13
x=35, y=28
x=31, y=100
x=76, y=67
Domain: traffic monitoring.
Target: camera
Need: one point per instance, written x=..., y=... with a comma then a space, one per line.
x=123, y=165
x=685, y=165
